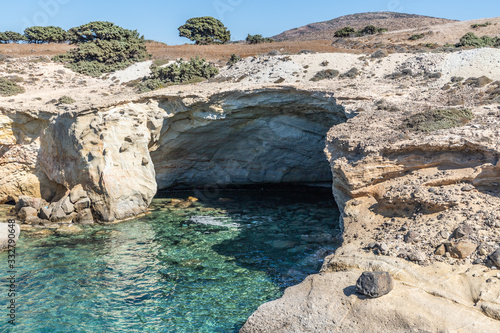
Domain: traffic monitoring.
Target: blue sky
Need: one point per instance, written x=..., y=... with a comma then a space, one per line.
x=159, y=19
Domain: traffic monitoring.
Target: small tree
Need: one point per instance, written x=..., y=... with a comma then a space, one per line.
x=205, y=30
x=101, y=30
x=257, y=39
x=11, y=37
x=50, y=34
x=103, y=47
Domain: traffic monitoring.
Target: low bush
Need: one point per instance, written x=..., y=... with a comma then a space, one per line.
x=351, y=32
x=65, y=100
x=345, y=32
x=371, y=30
x=194, y=70
x=437, y=119
x=480, y=25
x=325, y=74
x=233, y=59
x=258, y=39
x=471, y=40
x=9, y=88
x=416, y=37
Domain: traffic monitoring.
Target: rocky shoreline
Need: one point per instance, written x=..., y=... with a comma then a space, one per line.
x=420, y=203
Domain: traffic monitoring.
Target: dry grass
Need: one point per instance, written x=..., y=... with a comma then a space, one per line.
x=25, y=50
x=223, y=52
x=186, y=51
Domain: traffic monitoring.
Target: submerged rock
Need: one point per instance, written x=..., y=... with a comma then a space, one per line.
x=68, y=230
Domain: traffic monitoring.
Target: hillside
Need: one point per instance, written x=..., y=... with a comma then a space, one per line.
x=391, y=21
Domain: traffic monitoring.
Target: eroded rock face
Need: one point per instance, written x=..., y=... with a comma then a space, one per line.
x=267, y=136
x=19, y=165
x=118, y=156
x=440, y=298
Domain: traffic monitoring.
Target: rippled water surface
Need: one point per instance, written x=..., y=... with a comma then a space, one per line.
x=202, y=268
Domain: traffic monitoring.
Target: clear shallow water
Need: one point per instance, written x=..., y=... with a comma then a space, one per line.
x=203, y=268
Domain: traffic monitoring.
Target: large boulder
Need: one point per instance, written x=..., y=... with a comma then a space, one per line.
x=26, y=201
x=26, y=212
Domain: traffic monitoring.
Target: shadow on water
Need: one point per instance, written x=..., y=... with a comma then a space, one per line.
x=283, y=231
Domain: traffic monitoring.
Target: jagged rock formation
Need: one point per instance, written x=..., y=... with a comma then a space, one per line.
x=121, y=154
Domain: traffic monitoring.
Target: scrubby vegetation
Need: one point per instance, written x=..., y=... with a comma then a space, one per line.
x=194, y=70
x=325, y=74
x=258, y=39
x=50, y=34
x=233, y=59
x=351, y=32
x=437, y=119
x=65, y=100
x=471, y=40
x=205, y=30
x=9, y=88
x=416, y=37
x=480, y=25
x=103, y=47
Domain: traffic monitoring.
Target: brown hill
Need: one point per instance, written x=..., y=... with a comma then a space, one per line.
x=391, y=21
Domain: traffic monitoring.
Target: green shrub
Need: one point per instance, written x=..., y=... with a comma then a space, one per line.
x=351, y=32
x=416, y=37
x=434, y=120
x=233, y=59
x=480, y=25
x=371, y=30
x=205, y=30
x=257, y=39
x=194, y=70
x=325, y=74
x=103, y=48
x=50, y=34
x=471, y=40
x=65, y=100
x=101, y=30
x=9, y=88
x=345, y=32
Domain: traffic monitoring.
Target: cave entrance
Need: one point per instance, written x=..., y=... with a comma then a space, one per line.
x=271, y=147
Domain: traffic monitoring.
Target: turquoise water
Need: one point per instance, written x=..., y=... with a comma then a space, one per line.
x=203, y=268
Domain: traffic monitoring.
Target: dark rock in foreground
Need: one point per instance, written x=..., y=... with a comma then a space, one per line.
x=374, y=284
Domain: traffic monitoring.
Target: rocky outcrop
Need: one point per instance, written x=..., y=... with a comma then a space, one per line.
x=439, y=298
x=421, y=206
x=118, y=156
